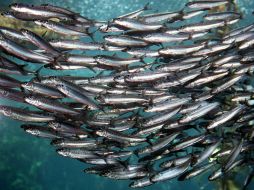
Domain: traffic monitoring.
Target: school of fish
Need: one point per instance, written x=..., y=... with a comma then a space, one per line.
x=157, y=96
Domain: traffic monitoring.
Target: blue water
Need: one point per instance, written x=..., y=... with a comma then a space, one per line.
x=29, y=163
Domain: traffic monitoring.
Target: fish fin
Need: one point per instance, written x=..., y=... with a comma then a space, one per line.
x=37, y=73
x=44, y=34
x=142, y=60
x=26, y=71
x=135, y=152
x=147, y=7
x=125, y=163
x=92, y=69
x=91, y=34
x=104, y=46
x=161, y=45
x=55, y=62
x=22, y=89
x=100, y=73
x=149, y=141
x=23, y=66
x=109, y=24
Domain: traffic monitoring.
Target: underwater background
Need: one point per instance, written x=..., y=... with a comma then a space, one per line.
x=29, y=163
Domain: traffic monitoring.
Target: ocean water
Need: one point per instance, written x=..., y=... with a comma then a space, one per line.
x=29, y=163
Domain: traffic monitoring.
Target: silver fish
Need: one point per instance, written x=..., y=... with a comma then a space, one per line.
x=203, y=4
x=225, y=117
x=51, y=106
x=61, y=28
x=118, y=136
x=125, y=41
x=160, y=17
x=201, y=111
x=136, y=25
x=27, y=116
x=170, y=173
x=160, y=118
x=76, y=45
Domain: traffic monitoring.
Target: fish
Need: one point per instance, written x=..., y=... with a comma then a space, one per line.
x=21, y=52
x=233, y=155
x=193, y=13
x=222, y=16
x=145, y=76
x=170, y=173
x=80, y=60
x=172, y=67
x=9, y=82
x=206, y=4
x=160, y=17
x=41, y=89
x=176, y=161
x=167, y=105
x=240, y=30
x=51, y=106
x=27, y=116
x=195, y=171
x=13, y=34
x=211, y=49
x=118, y=136
x=160, y=118
x=40, y=131
x=204, y=26
x=40, y=42
x=11, y=94
x=206, y=79
x=23, y=8
x=202, y=110
x=239, y=38
x=158, y=146
x=61, y=28
x=125, y=41
x=143, y=182
x=120, y=99
x=225, y=117
x=218, y=173
x=9, y=67
x=75, y=45
x=115, y=62
x=165, y=38
x=206, y=153
x=248, y=180
x=136, y=25
x=187, y=142
x=135, y=13
x=70, y=130
x=247, y=43
x=126, y=174
x=180, y=50
x=77, y=95
x=22, y=16
x=76, y=153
